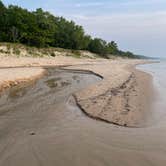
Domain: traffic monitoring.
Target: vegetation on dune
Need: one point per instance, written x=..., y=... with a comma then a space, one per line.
x=42, y=29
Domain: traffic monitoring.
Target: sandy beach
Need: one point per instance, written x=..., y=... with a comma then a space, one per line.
x=82, y=83
x=44, y=123
x=123, y=96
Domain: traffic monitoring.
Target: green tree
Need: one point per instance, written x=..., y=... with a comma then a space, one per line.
x=112, y=48
x=2, y=22
x=42, y=29
x=98, y=46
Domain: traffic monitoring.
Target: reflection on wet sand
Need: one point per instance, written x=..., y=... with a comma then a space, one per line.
x=40, y=124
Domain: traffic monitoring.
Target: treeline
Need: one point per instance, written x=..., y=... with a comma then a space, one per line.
x=42, y=29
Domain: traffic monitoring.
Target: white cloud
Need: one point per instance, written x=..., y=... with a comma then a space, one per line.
x=143, y=33
x=128, y=3
x=89, y=4
x=142, y=2
x=139, y=25
x=141, y=19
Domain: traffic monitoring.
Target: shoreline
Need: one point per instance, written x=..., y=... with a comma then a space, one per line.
x=128, y=104
x=123, y=96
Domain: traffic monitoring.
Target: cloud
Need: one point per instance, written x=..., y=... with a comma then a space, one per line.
x=89, y=4
x=137, y=25
x=143, y=33
x=141, y=2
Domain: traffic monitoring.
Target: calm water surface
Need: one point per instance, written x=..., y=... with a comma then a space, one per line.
x=158, y=71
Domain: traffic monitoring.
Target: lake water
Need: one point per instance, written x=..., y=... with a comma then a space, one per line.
x=158, y=71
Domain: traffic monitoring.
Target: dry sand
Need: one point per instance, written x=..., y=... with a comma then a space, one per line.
x=122, y=97
x=14, y=76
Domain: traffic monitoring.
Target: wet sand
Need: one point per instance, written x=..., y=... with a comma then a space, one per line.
x=36, y=111
x=123, y=97
x=41, y=124
x=118, y=98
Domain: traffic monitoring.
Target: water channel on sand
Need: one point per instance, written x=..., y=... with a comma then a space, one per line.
x=40, y=125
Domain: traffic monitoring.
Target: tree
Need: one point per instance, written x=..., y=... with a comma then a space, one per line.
x=42, y=29
x=98, y=46
x=2, y=21
x=2, y=6
x=112, y=48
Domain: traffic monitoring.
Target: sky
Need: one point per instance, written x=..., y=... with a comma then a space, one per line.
x=136, y=25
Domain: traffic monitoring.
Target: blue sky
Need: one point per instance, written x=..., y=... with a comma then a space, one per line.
x=136, y=25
